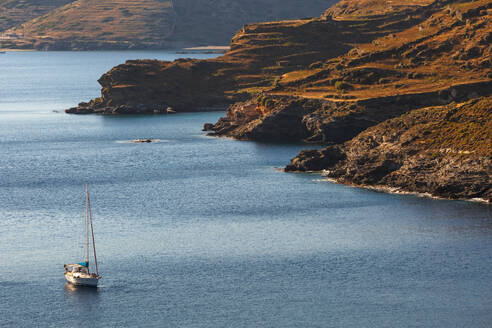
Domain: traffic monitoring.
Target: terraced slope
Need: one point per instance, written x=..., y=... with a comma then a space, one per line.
x=367, y=9
x=16, y=12
x=451, y=46
x=124, y=24
x=93, y=24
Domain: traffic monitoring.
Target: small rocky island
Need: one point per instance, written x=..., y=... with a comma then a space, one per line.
x=144, y=141
x=400, y=96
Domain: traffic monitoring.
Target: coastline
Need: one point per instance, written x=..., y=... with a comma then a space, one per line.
x=378, y=188
x=17, y=50
x=397, y=191
x=391, y=190
x=225, y=48
x=201, y=48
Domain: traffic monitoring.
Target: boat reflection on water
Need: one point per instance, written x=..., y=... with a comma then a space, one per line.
x=72, y=289
x=81, y=296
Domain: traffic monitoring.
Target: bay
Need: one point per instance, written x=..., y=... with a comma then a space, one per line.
x=195, y=231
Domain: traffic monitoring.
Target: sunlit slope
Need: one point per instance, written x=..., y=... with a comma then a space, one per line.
x=117, y=24
x=95, y=23
x=16, y=12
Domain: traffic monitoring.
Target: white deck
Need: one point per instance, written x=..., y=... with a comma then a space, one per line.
x=80, y=279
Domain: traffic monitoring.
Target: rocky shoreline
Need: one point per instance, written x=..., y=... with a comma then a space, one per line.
x=136, y=109
x=395, y=191
x=380, y=149
x=409, y=153
x=287, y=118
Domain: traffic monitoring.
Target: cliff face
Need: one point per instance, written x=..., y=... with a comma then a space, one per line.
x=147, y=86
x=313, y=120
x=148, y=24
x=366, y=81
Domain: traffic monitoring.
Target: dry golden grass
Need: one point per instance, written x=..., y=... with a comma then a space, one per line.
x=16, y=12
x=151, y=23
x=455, y=128
x=440, y=51
x=110, y=20
x=364, y=9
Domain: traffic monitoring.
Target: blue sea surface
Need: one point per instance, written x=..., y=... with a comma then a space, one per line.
x=194, y=231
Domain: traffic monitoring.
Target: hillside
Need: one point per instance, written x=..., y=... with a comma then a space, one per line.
x=150, y=24
x=415, y=60
x=331, y=79
x=16, y=12
x=370, y=9
x=443, y=151
x=261, y=56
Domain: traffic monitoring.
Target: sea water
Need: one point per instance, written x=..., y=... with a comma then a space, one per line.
x=195, y=231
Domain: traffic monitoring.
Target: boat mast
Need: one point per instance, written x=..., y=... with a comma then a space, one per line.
x=87, y=206
x=92, y=233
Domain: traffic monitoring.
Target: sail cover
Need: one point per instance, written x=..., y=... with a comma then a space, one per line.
x=85, y=264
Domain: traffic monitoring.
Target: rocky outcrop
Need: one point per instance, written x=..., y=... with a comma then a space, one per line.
x=325, y=121
x=139, y=141
x=444, y=151
x=267, y=119
x=148, y=87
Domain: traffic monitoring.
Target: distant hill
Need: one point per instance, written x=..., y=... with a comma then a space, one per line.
x=146, y=24
x=16, y=12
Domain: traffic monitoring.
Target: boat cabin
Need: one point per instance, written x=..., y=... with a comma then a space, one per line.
x=73, y=268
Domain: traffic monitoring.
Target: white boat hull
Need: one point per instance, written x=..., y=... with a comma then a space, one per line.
x=82, y=281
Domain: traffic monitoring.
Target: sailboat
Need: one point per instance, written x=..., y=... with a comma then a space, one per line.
x=79, y=274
